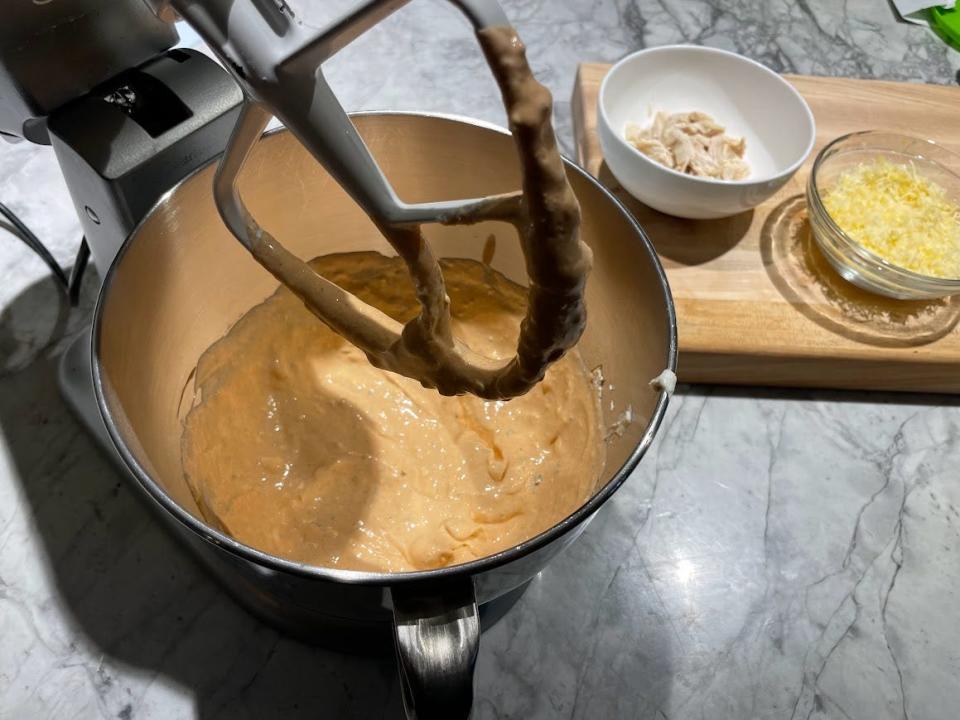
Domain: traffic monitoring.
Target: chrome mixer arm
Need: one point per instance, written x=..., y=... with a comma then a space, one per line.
x=277, y=60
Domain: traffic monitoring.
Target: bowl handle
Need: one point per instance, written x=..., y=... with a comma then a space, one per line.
x=437, y=635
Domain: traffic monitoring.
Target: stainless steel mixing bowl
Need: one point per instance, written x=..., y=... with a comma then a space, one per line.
x=180, y=282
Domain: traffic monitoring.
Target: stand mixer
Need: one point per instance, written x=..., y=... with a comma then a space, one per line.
x=135, y=127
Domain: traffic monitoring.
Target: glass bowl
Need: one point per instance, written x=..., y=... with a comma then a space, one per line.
x=852, y=261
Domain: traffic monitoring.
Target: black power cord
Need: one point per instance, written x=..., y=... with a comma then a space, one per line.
x=76, y=272
x=71, y=285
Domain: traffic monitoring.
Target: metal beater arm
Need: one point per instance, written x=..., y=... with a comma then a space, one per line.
x=277, y=61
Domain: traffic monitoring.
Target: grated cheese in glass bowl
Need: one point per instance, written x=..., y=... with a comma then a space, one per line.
x=885, y=211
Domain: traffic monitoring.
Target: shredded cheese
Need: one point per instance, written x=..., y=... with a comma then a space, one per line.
x=894, y=212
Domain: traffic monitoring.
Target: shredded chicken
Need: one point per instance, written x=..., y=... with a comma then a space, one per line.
x=692, y=143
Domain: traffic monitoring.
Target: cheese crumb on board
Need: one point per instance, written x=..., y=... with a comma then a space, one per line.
x=665, y=382
x=895, y=212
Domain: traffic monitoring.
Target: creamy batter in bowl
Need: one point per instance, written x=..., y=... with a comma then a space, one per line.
x=299, y=446
x=181, y=281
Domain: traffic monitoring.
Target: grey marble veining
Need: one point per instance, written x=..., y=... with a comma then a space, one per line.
x=777, y=554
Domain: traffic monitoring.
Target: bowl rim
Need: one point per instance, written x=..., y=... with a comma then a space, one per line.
x=746, y=182
x=865, y=254
x=362, y=577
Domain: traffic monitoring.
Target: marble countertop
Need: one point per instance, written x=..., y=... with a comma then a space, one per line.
x=777, y=555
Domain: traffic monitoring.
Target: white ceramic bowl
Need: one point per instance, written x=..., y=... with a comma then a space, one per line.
x=747, y=98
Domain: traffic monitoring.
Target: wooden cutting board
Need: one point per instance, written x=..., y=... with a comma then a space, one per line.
x=756, y=302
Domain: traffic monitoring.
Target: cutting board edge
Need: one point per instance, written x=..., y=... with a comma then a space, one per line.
x=781, y=372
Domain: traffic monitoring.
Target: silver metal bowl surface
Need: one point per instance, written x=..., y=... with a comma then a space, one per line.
x=181, y=281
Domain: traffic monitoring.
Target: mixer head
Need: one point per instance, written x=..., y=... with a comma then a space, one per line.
x=277, y=61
